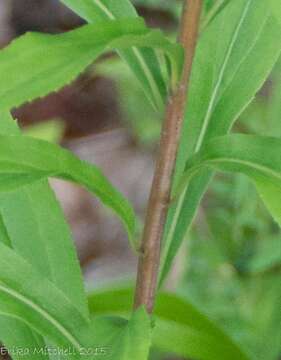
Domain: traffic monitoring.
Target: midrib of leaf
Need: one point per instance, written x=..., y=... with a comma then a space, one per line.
x=220, y=78
x=9, y=243
x=163, y=69
x=49, y=318
x=213, y=12
x=243, y=59
x=12, y=130
x=150, y=79
x=147, y=72
x=261, y=168
x=104, y=9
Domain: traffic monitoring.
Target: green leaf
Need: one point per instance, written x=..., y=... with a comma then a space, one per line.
x=13, y=333
x=144, y=63
x=51, y=61
x=256, y=156
x=34, y=234
x=33, y=237
x=239, y=35
x=135, y=340
x=276, y=8
x=212, y=11
x=179, y=327
x=124, y=340
x=99, y=10
x=25, y=160
x=31, y=298
x=15, y=233
x=193, y=334
x=20, y=340
x=28, y=296
x=17, y=336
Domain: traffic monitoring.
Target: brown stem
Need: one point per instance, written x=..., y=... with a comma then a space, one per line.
x=161, y=187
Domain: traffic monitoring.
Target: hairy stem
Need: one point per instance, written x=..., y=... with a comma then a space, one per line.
x=159, y=200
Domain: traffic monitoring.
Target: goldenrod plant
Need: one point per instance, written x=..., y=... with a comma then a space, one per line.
x=199, y=85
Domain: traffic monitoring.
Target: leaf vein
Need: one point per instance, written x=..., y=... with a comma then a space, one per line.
x=66, y=334
x=220, y=78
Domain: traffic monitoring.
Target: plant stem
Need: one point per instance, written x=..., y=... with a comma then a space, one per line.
x=159, y=200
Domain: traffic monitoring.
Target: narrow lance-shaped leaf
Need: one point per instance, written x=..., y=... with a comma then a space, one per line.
x=144, y=63
x=52, y=61
x=46, y=244
x=227, y=54
x=193, y=334
x=37, y=240
x=256, y=156
x=25, y=160
x=16, y=335
x=31, y=298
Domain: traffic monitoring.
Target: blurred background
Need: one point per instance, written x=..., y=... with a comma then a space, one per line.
x=230, y=265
